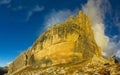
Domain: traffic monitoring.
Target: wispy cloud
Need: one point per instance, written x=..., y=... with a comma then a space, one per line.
x=58, y=16
x=9, y=63
x=5, y=1
x=17, y=8
x=37, y=8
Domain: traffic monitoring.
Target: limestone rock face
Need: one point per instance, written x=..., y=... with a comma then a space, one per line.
x=69, y=42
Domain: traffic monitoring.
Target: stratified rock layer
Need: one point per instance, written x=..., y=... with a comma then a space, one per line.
x=69, y=42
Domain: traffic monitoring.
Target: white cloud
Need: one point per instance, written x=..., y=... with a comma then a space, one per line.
x=35, y=9
x=17, y=8
x=97, y=9
x=5, y=1
x=9, y=63
x=58, y=16
x=112, y=49
x=97, y=13
x=38, y=8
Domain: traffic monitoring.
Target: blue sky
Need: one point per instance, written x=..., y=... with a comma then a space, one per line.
x=22, y=21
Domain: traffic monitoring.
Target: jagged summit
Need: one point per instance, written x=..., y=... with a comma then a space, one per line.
x=69, y=42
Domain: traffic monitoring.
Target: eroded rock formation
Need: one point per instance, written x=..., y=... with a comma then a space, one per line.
x=69, y=42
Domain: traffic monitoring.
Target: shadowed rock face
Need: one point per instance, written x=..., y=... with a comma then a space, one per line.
x=69, y=42
x=3, y=70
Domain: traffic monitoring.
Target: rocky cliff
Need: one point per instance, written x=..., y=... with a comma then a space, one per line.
x=3, y=70
x=69, y=43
